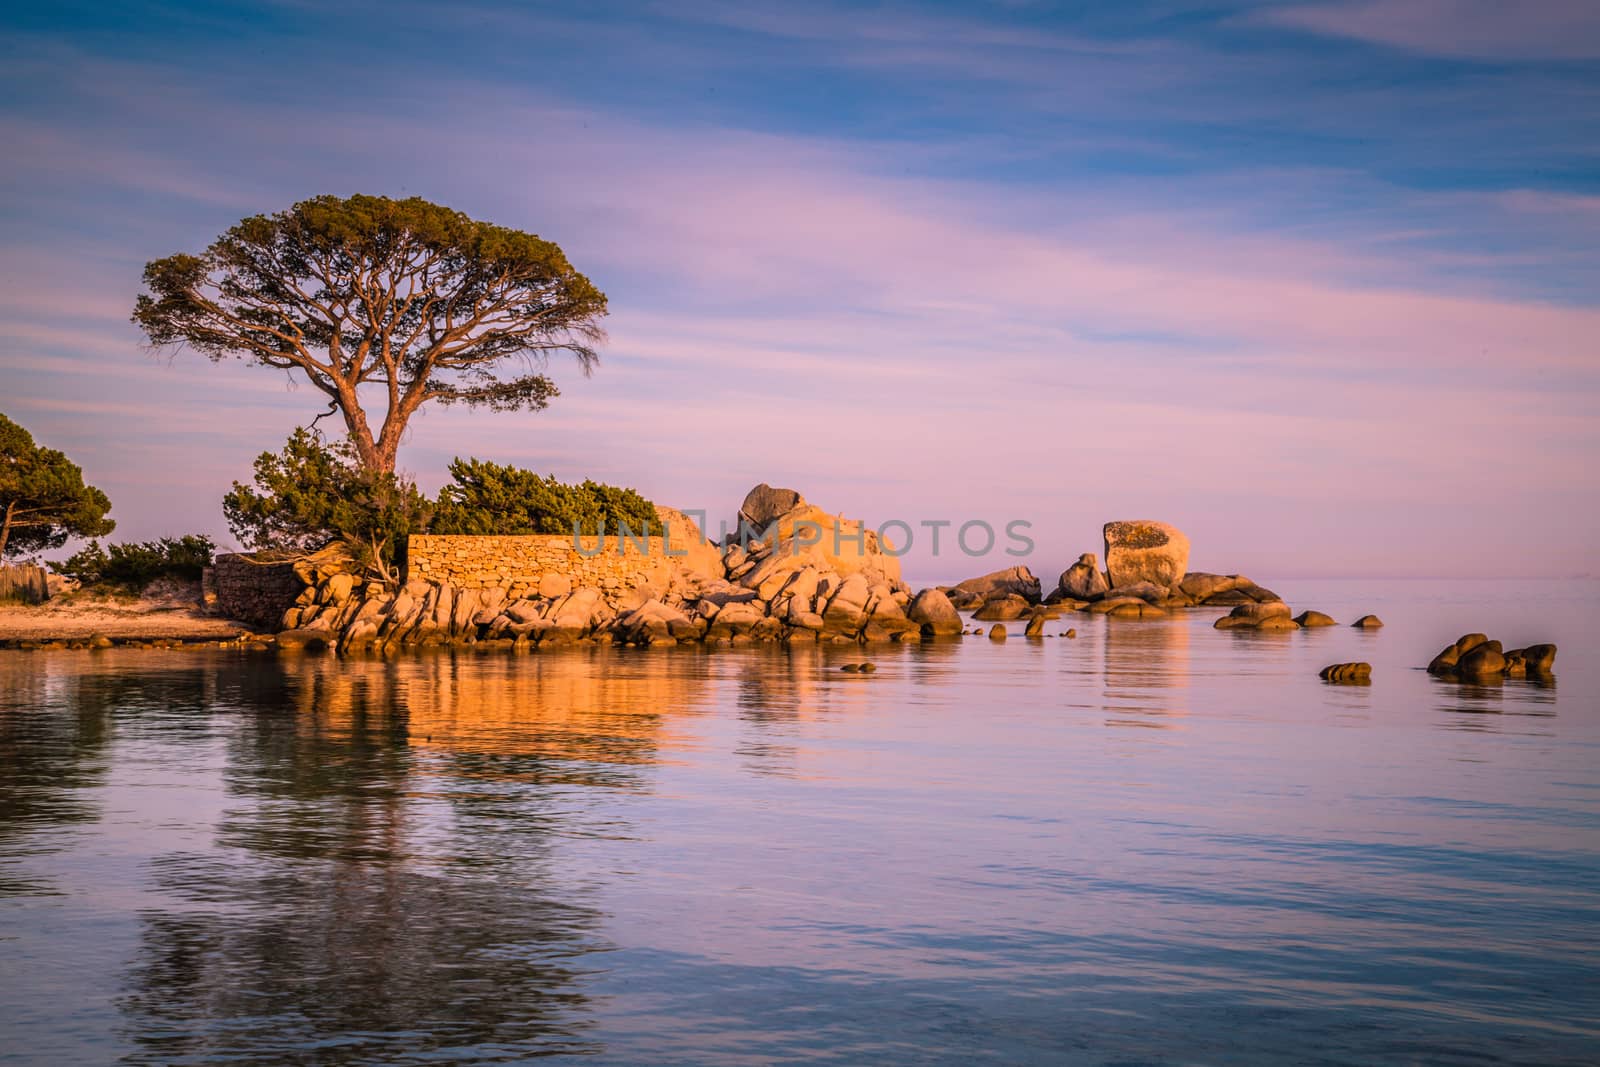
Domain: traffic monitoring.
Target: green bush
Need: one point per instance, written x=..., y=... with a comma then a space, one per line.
x=312, y=494
x=138, y=563
x=488, y=498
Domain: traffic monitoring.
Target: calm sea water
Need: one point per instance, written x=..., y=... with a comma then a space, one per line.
x=1158, y=843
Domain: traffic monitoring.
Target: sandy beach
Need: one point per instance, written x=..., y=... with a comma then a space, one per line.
x=82, y=615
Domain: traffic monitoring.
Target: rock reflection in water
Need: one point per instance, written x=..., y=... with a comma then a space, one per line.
x=1146, y=665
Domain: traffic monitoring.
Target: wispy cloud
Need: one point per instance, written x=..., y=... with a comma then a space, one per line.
x=1473, y=29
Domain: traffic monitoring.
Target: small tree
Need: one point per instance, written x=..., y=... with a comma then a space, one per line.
x=401, y=302
x=43, y=500
x=312, y=494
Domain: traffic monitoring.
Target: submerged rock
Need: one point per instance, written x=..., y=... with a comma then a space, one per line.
x=1308, y=619
x=302, y=639
x=1134, y=608
x=1367, y=622
x=1347, y=673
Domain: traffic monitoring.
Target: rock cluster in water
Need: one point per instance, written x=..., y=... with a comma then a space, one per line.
x=1474, y=657
x=1146, y=577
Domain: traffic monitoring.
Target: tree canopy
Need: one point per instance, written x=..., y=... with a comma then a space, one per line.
x=43, y=500
x=388, y=303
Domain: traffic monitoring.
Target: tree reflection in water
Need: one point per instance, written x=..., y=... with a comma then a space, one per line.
x=383, y=884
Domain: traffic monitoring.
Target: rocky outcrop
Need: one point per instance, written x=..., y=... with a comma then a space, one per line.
x=1222, y=590
x=690, y=552
x=1013, y=581
x=1083, y=580
x=1309, y=619
x=780, y=528
x=1475, y=658
x=1368, y=622
x=1145, y=551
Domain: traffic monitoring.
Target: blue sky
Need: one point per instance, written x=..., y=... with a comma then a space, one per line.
x=1315, y=281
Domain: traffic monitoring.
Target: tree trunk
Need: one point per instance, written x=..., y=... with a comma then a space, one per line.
x=388, y=450
x=5, y=527
x=371, y=453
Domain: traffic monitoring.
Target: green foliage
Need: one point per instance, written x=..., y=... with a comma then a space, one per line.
x=488, y=498
x=312, y=494
x=367, y=290
x=43, y=500
x=138, y=563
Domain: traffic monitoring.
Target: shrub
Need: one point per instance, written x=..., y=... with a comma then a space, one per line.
x=488, y=498
x=312, y=494
x=138, y=563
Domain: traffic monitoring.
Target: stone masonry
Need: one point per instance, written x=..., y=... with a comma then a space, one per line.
x=518, y=564
x=254, y=592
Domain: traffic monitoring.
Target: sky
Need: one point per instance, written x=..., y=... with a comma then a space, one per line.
x=1318, y=283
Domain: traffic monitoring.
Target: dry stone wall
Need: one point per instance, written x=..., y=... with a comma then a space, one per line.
x=520, y=564
x=254, y=592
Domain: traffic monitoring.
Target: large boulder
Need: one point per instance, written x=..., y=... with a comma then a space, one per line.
x=1267, y=610
x=1201, y=585
x=1145, y=551
x=1485, y=660
x=1014, y=581
x=932, y=610
x=1003, y=608
x=1083, y=580
x=1540, y=659
x=763, y=504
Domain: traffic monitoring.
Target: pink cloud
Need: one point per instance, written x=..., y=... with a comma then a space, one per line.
x=1476, y=29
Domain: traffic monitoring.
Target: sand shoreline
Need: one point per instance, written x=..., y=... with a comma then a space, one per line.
x=78, y=617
